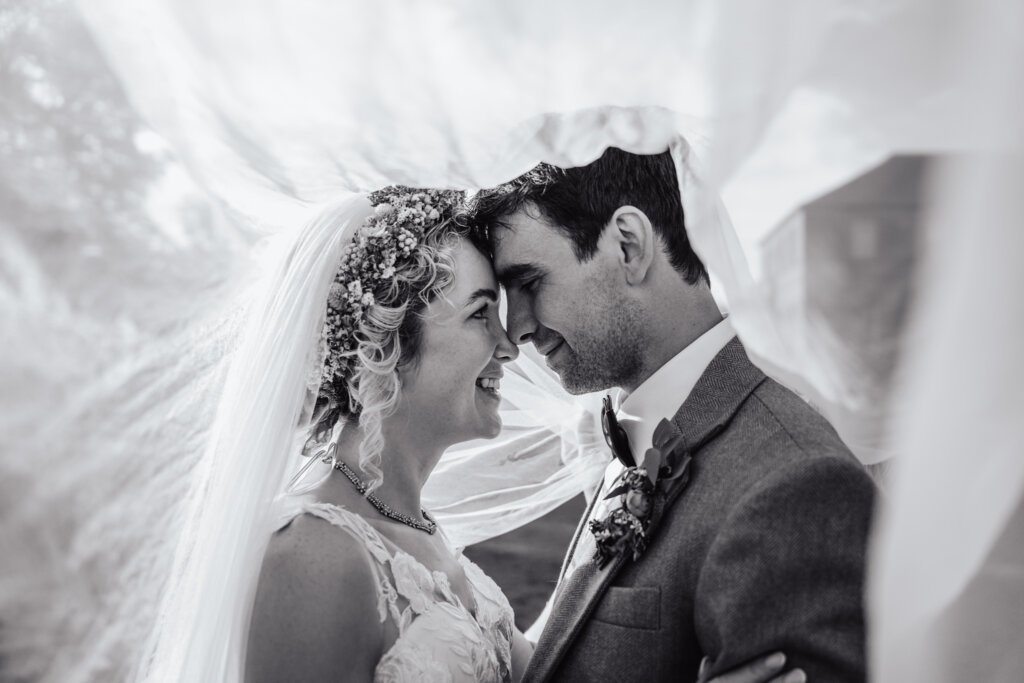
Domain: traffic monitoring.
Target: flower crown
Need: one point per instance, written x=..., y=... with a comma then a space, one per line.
x=386, y=241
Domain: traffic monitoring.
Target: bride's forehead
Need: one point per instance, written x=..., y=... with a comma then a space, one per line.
x=473, y=270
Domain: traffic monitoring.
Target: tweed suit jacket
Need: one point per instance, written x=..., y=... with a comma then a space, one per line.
x=762, y=550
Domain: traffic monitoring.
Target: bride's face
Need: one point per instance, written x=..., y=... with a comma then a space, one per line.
x=452, y=388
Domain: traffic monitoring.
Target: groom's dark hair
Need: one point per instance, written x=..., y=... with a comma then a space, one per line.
x=579, y=202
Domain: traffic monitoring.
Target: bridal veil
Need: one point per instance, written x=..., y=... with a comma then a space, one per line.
x=278, y=111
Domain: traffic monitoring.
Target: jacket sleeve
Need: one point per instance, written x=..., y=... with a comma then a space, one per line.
x=786, y=572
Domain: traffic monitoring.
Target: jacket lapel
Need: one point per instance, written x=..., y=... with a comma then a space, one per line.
x=576, y=599
x=718, y=394
x=579, y=530
x=721, y=390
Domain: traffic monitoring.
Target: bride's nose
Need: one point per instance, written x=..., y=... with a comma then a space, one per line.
x=505, y=351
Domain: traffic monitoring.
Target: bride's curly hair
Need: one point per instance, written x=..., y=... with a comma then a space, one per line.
x=397, y=263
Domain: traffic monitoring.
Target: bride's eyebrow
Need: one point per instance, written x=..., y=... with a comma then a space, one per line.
x=482, y=293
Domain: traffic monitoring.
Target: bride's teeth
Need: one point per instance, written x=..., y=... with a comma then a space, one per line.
x=489, y=383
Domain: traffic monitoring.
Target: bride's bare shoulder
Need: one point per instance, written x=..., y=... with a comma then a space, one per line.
x=315, y=613
x=326, y=558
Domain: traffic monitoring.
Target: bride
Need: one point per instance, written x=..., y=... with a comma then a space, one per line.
x=357, y=582
x=360, y=583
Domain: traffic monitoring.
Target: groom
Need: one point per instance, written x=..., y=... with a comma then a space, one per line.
x=757, y=542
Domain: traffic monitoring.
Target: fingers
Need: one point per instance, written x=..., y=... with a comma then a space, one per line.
x=764, y=670
x=794, y=676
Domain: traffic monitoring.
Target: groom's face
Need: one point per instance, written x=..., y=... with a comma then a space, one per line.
x=573, y=312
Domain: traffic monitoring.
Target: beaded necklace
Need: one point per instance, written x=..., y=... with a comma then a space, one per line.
x=383, y=508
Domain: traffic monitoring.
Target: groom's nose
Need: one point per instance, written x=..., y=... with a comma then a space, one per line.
x=521, y=324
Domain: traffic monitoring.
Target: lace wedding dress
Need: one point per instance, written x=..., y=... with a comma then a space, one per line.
x=439, y=638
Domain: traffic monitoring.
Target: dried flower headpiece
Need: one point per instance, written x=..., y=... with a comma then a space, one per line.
x=368, y=267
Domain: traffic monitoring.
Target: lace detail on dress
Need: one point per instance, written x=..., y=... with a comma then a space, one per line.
x=439, y=638
x=492, y=608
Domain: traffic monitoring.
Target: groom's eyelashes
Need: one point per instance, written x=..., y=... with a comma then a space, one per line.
x=528, y=286
x=515, y=276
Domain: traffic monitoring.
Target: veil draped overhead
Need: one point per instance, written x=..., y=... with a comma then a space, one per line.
x=264, y=414
x=275, y=111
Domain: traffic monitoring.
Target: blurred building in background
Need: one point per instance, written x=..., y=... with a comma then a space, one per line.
x=844, y=263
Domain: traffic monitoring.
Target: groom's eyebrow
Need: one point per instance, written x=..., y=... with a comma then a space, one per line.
x=516, y=273
x=482, y=293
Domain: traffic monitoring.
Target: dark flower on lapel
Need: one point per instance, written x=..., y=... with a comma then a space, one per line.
x=625, y=527
x=615, y=533
x=639, y=504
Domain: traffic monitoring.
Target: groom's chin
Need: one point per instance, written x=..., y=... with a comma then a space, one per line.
x=577, y=389
x=576, y=382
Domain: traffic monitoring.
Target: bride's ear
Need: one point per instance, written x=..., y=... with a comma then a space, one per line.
x=635, y=243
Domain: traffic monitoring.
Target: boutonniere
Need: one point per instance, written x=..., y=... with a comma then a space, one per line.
x=626, y=525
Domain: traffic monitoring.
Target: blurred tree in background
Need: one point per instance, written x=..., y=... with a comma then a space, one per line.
x=83, y=179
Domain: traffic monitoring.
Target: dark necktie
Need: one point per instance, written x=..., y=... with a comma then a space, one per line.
x=615, y=436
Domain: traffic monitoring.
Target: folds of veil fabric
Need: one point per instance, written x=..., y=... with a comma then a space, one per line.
x=947, y=589
x=297, y=99
x=276, y=107
x=262, y=417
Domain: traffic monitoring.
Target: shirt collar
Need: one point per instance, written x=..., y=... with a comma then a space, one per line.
x=662, y=393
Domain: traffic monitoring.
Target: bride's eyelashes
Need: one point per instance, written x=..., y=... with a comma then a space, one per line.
x=482, y=313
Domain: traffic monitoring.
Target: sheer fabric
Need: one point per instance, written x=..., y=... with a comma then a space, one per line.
x=264, y=408
x=946, y=592
x=272, y=108
x=299, y=100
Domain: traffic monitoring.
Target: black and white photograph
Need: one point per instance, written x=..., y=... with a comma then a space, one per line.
x=497, y=342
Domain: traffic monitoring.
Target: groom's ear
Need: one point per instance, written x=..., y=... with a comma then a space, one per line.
x=635, y=242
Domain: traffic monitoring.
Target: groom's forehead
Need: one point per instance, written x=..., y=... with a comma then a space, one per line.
x=521, y=233
x=515, y=246
x=507, y=255
x=524, y=252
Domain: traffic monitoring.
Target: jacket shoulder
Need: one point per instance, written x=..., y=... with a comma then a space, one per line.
x=789, y=426
x=775, y=439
